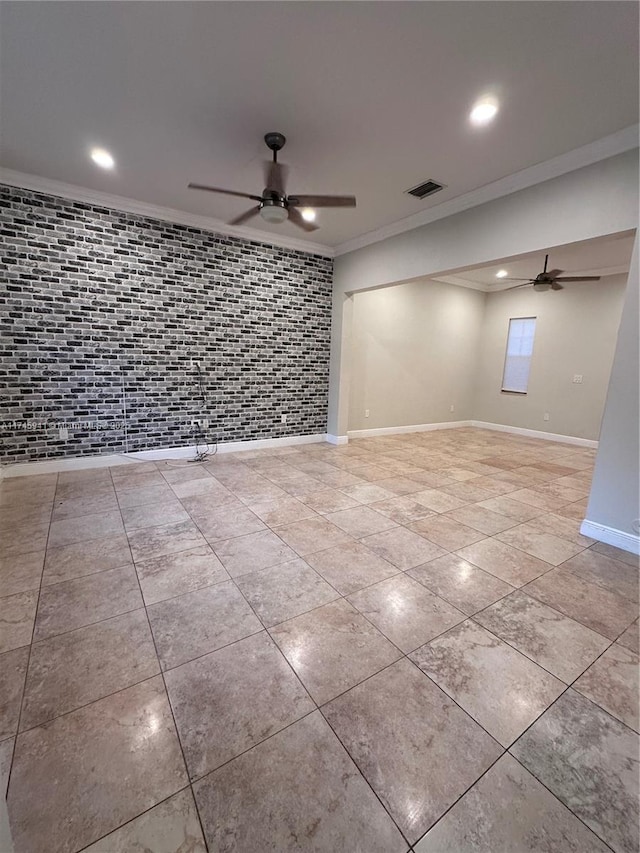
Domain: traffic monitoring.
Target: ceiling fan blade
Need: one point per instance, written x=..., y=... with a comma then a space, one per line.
x=578, y=278
x=224, y=192
x=296, y=217
x=321, y=201
x=556, y=286
x=248, y=214
x=531, y=280
x=275, y=176
x=516, y=286
x=555, y=273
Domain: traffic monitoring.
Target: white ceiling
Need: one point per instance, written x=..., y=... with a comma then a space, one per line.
x=603, y=256
x=373, y=97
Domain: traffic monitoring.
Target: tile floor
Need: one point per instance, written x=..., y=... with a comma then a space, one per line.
x=401, y=644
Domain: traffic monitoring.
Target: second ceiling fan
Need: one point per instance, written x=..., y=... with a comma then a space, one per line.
x=550, y=280
x=274, y=205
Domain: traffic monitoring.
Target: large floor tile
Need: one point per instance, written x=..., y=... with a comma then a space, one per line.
x=24, y=515
x=174, y=574
x=446, y=532
x=23, y=540
x=509, y=811
x=139, y=495
x=20, y=573
x=438, y=501
x=351, y=567
x=85, y=558
x=630, y=638
x=597, y=608
x=230, y=700
x=545, y=546
x=405, y=611
x=170, y=827
x=153, y=515
x=245, y=554
x=612, y=683
x=332, y=648
x=416, y=748
x=617, y=554
x=281, y=511
x=17, y=614
x=561, y=645
x=13, y=669
x=111, y=761
x=325, y=501
x=589, y=760
x=73, y=669
x=78, y=602
x=501, y=689
x=482, y=519
x=360, y=521
x=85, y=527
x=505, y=562
x=199, y=622
x=403, y=509
x=613, y=575
x=312, y=534
x=281, y=592
x=149, y=542
x=297, y=791
x=367, y=493
x=403, y=548
x=87, y=504
x=564, y=528
x=460, y=583
x=505, y=505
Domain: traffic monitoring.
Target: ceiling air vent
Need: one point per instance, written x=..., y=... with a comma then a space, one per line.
x=427, y=188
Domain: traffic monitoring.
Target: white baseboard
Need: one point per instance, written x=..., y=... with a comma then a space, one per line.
x=611, y=536
x=337, y=439
x=397, y=430
x=76, y=463
x=534, y=433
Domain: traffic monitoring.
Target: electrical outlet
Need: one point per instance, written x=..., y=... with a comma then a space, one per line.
x=203, y=423
x=577, y=379
x=452, y=408
x=63, y=433
x=545, y=417
x=283, y=419
x=366, y=413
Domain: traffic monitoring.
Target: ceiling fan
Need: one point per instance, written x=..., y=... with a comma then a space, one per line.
x=549, y=280
x=274, y=205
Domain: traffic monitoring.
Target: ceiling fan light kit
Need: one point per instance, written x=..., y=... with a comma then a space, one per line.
x=274, y=205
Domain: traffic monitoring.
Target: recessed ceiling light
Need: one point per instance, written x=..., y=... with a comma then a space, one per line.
x=484, y=111
x=502, y=274
x=308, y=214
x=102, y=158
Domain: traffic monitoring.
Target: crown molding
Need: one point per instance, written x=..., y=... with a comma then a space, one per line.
x=73, y=192
x=609, y=146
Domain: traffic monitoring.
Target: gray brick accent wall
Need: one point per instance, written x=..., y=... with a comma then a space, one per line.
x=102, y=311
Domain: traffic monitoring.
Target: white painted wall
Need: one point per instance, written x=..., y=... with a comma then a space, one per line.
x=576, y=331
x=420, y=347
x=614, y=502
x=594, y=201
x=414, y=354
